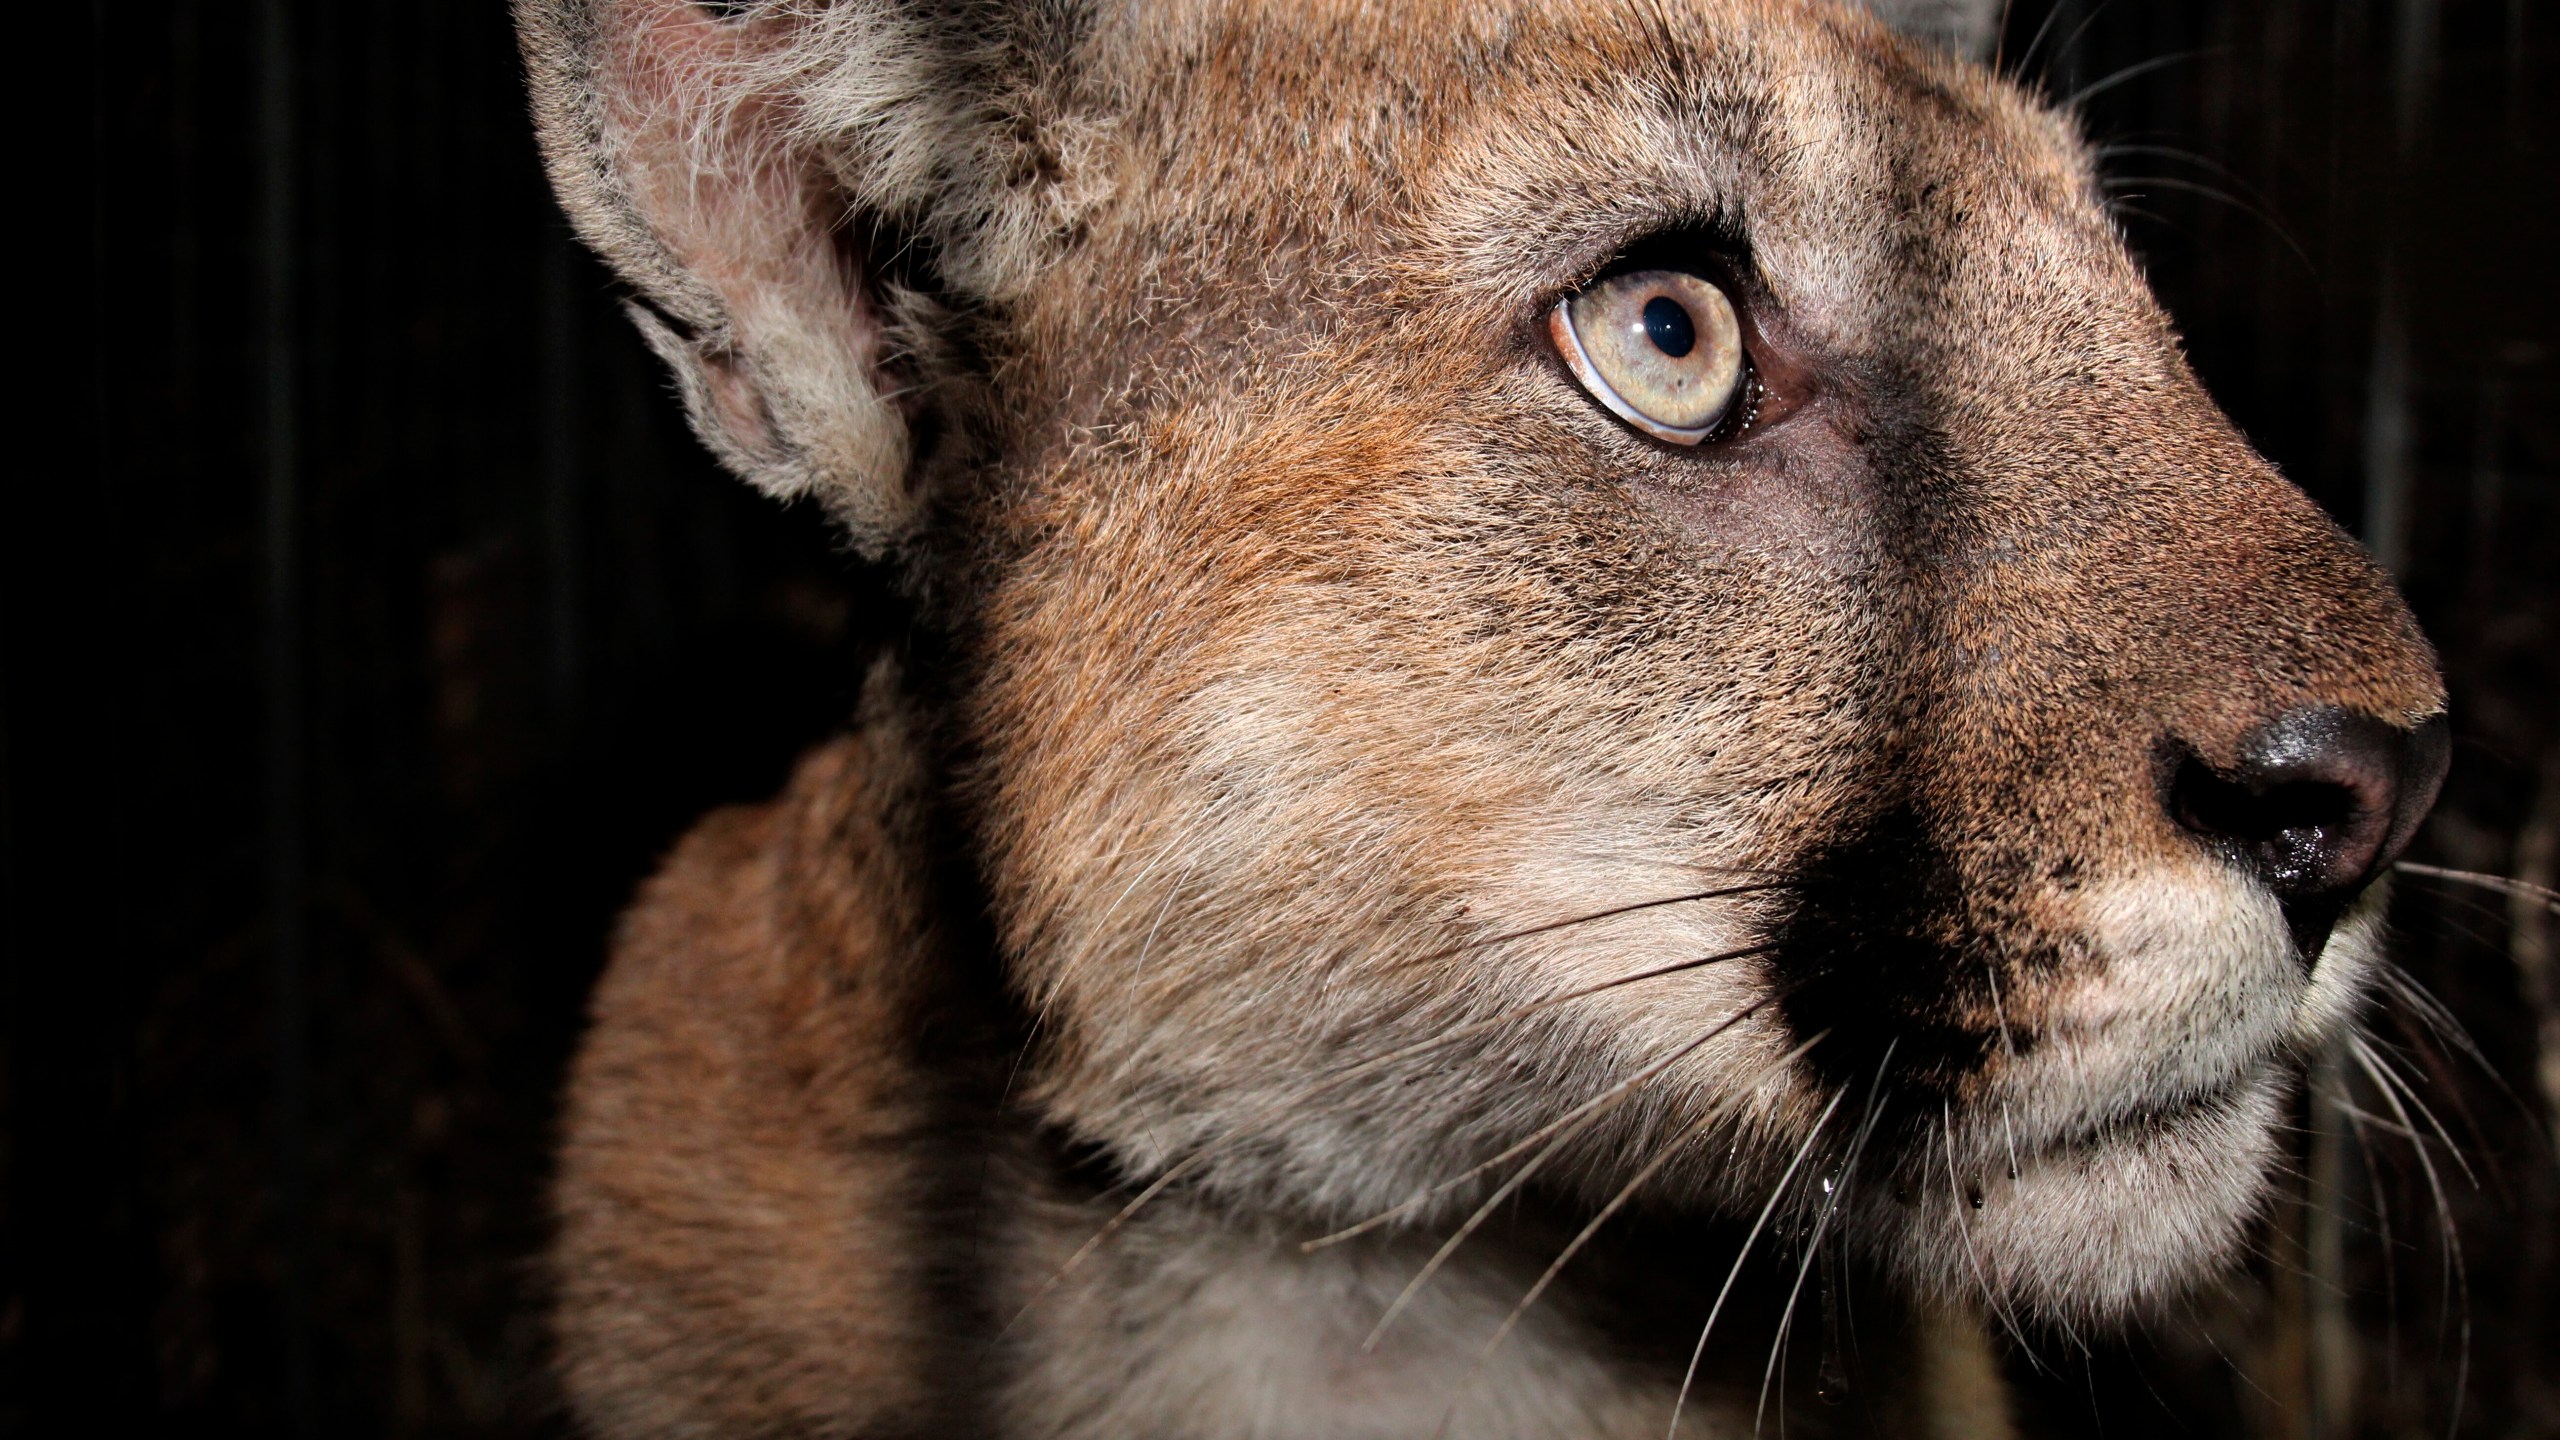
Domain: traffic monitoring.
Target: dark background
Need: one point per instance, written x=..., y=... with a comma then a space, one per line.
x=379, y=623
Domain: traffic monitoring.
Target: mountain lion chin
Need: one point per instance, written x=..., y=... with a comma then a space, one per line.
x=2100, y=1231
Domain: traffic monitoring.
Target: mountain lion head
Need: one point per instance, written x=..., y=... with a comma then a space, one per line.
x=1637, y=587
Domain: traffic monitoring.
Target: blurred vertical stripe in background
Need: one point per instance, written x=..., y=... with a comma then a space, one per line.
x=383, y=623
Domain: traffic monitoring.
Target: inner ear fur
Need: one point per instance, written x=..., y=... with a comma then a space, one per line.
x=729, y=162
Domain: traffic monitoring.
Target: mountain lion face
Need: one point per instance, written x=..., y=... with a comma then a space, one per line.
x=1635, y=587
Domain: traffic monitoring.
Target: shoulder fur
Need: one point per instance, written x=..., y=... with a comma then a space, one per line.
x=756, y=1200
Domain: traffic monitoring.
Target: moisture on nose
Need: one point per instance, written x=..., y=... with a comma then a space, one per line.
x=2319, y=802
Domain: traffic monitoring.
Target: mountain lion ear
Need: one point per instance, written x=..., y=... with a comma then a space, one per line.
x=1961, y=27
x=730, y=162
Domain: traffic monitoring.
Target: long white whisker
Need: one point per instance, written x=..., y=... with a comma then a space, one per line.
x=1616, y=1096
x=2408, y=1092
x=2360, y=1117
x=2457, y=1275
x=1687, y=897
x=1776, y=1192
x=1669, y=1151
x=1342, y=1077
x=1496, y=1022
x=1606, y=1099
x=2009, y=1051
x=2441, y=1019
x=2544, y=895
x=2383, y=1083
x=1964, y=1232
x=2129, y=72
x=1821, y=1223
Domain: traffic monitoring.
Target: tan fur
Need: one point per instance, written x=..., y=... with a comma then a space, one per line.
x=1328, y=709
x=748, y=1119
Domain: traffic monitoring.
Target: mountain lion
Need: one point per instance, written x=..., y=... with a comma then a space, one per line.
x=1596, y=738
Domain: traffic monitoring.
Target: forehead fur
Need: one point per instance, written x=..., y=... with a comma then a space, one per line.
x=1249, y=172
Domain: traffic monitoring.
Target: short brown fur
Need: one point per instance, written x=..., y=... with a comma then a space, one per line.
x=1340, y=746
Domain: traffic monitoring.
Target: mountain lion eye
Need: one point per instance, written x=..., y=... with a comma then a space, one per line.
x=1661, y=348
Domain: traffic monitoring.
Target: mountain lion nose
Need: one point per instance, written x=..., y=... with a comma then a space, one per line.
x=2320, y=802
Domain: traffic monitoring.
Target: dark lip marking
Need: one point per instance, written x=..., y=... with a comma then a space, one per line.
x=1877, y=953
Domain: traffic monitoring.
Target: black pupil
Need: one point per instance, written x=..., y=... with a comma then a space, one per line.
x=1669, y=327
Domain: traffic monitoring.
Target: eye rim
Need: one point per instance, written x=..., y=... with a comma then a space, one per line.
x=1738, y=416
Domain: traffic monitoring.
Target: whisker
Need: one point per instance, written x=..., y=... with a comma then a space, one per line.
x=2457, y=1276
x=2379, y=1066
x=1343, y=1077
x=2253, y=199
x=2274, y=226
x=2120, y=205
x=2278, y=1262
x=2382, y=1232
x=1669, y=1151
x=2491, y=905
x=2543, y=895
x=1616, y=1096
x=2009, y=1050
x=2440, y=1019
x=2360, y=1117
x=2028, y=57
x=1690, y=897
x=2134, y=71
x=1777, y=1191
x=1813, y=1246
x=2202, y=1329
x=1479, y=1027
x=2464, y=913
x=1955, y=1194
x=1110, y=1227
x=1687, y=898
x=2114, y=148
x=1694, y=867
x=1138, y=966
x=2352, y=1215
x=1164, y=852
x=1468, y=1031
x=1606, y=1099
x=1999, y=1013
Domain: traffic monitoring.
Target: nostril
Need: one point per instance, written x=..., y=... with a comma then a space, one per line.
x=2286, y=816
x=2316, y=804
x=2301, y=837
